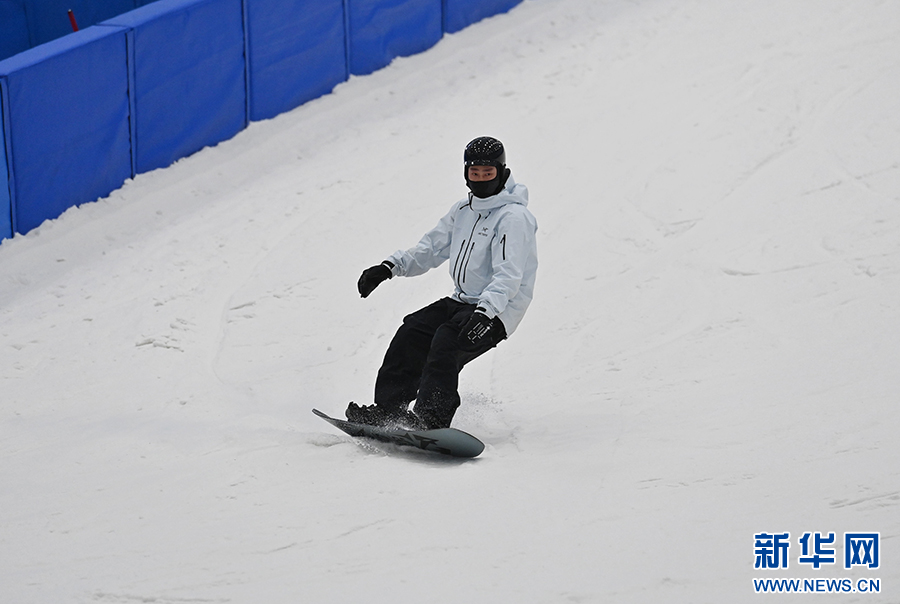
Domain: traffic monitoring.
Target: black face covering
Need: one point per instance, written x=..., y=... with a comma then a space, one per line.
x=487, y=188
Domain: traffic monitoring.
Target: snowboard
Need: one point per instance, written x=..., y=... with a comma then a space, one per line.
x=448, y=441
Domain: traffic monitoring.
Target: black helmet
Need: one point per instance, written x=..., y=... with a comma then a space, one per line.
x=486, y=151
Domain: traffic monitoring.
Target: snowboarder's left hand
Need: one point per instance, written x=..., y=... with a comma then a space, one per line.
x=475, y=331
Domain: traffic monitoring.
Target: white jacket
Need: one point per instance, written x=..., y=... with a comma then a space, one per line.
x=491, y=245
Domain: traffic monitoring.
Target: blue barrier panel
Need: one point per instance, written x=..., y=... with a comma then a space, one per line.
x=297, y=52
x=189, y=77
x=6, y=229
x=13, y=28
x=49, y=19
x=459, y=14
x=66, y=103
x=380, y=30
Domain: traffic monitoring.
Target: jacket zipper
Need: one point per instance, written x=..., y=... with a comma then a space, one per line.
x=465, y=250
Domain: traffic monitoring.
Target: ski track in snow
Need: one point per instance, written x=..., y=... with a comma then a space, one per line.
x=711, y=352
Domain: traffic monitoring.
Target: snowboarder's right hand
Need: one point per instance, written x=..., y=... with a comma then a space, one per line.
x=373, y=277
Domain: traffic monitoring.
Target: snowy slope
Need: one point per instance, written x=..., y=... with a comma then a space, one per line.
x=711, y=353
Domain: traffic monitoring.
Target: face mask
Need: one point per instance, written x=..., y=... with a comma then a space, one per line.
x=485, y=188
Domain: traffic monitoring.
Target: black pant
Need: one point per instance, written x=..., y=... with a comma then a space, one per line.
x=424, y=359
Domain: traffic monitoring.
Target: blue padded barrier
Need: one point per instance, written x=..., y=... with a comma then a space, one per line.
x=6, y=229
x=380, y=30
x=13, y=28
x=82, y=113
x=49, y=19
x=459, y=14
x=66, y=107
x=297, y=52
x=189, y=74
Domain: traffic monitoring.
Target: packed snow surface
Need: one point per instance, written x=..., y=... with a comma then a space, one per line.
x=712, y=352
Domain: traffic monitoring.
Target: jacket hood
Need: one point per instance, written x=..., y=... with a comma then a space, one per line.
x=511, y=193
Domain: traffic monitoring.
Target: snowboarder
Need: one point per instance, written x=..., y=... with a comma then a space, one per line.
x=489, y=238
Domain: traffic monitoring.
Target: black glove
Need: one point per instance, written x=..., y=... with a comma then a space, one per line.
x=372, y=278
x=475, y=331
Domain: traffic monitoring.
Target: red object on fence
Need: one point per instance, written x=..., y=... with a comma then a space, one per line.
x=72, y=20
